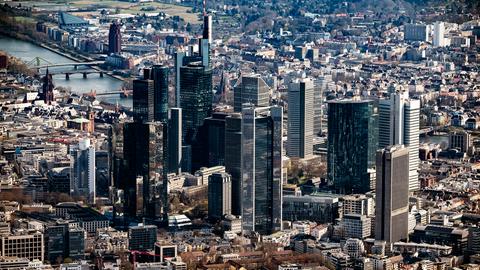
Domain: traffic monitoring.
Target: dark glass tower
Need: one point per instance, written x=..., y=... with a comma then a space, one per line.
x=215, y=127
x=114, y=38
x=159, y=75
x=145, y=156
x=143, y=100
x=233, y=154
x=195, y=98
x=352, y=143
x=261, y=169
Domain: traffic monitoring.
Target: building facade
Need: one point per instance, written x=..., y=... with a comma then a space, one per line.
x=352, y=143
x=261, y=169
x=82, y=176
x=219, y=195
x=250, y=89
x=300, y=118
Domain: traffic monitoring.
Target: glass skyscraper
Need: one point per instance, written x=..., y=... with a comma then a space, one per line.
x=261, y=169
x=352, y=143
x=233, y=153
x=143, y=100
x=195, y=98
x=159, y=75
x=82, y=176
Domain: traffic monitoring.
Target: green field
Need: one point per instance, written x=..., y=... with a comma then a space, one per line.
x=122, y=7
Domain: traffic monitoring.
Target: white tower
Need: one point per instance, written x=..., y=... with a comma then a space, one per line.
x=438, y=34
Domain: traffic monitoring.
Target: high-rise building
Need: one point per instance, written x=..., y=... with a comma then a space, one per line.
x=399, y=123
x=356, y=226
x=207, y=28
x=352, y=143
x=250, y=89
x=319, y=87
x=159, y=75
x=145, y=156
x=215, y=139
x=219, y=195
x=261, y=169
x=142, y=238
x=358, y=204
x=102, y=173
x=391, y=219
x=439, y=34
x=114, y=38
x=300, y=118
x=175, y=140
x=82, y=176
x=416, y=32
x=195, y=98
x=143, y=100
x=233, y=154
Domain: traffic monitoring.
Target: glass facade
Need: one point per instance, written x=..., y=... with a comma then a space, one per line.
x=261, y=169
x=159, y=75
x=145, y=155
x=195, y=98
x=143, y=97
x=233, y=150
x=352, y=144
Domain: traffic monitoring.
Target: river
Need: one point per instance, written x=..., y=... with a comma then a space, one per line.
x=28, y=51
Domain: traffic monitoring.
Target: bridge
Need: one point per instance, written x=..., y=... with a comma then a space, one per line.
x=123, y=93
x=67, y=73
x=74, y=64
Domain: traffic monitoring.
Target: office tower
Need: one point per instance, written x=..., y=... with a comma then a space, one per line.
x=399, y=123
x=207, y=28
x=178, y=56
x=261, y=169
x=159, y=75
x=145, y=156
x=143, y=100
x=114, y=39
x=250, y=89
x=460, y=139
x=186, y=158
x=415, y=32
x=439, y=34
x=142, y=238
x=300, y=118
x=24, y=244
x=175, y=140
x=219, y=195
x=391, y=218
x=46, y=91
x=164, y=251
x=102, y=173
x=82, y=176
x=215, y=139
x=233, y=150
x=319, y=87
x=195, y=98
x=352, y=142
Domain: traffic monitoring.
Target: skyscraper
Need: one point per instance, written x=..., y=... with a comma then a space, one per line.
x=261, y=169
x=300, y=118
x=250, y=89
x=391, y=219
x=439, y=34
x=145, y=156
x=195, y=98
x=219, y=195
x=159, y=75
x=82, y=176
x=352, y=143
x=399, y=123
x=233, y=162
x=215, y=139
x=319, y=86
x=143, y=100
x=114, y=38
x=175, y=140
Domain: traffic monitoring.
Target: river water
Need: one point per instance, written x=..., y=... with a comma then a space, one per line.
x=28, y=51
